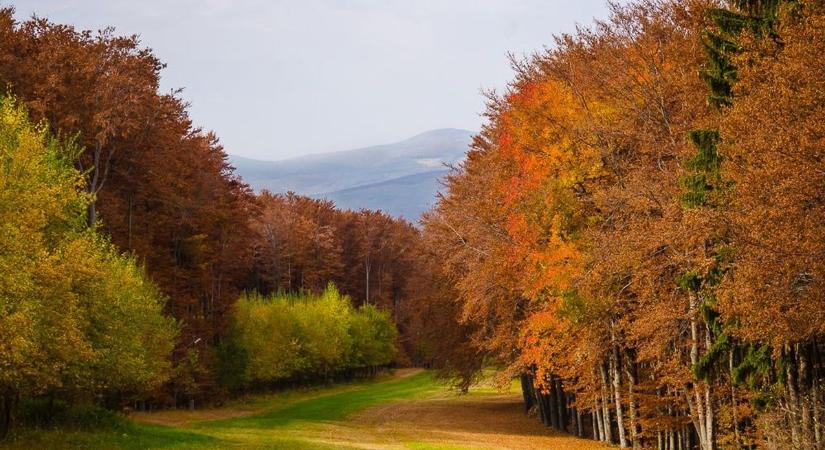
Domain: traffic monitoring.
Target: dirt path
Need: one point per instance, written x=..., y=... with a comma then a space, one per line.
x=475, y=422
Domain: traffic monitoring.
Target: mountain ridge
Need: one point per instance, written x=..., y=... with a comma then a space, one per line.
x=399, y=178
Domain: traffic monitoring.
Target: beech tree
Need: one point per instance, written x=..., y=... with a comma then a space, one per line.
x=76, y=317
x=162, y=187
x=612, y=200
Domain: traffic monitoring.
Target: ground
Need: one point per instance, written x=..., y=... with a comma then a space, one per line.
x=406, y=410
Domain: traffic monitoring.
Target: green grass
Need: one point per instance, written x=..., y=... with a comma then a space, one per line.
x=127, y=437
x=336, y=406
x=278, y=427
x=313, y=418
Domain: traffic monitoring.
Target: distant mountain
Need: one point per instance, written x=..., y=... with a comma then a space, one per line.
x=400, y=179
x=406, y=196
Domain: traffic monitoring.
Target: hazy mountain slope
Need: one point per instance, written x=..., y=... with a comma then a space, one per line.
x=330, y=172
x=399, y=178
x=406, y=196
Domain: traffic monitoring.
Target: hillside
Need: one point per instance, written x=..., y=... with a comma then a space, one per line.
x=406, y=196
x=399, y=178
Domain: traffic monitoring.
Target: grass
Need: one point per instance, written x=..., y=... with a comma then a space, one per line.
x=334, y=407
x=127, y=436
x=408, y=411
x=279, y=413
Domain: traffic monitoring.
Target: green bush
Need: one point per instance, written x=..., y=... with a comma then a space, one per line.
x=47, y=412
x=289, y=336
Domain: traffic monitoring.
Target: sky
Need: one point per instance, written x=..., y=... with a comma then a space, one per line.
x=282, y=78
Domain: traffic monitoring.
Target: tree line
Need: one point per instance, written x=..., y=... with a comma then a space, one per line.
x=636, y=232
x=146, y=226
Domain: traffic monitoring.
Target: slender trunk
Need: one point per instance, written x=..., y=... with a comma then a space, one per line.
x=815, y=395
x=709, y=416
x=130, y=224
x=526, y=384
x=608, y=433
x=617, y=389
x=598, y=428
x=631, y=385
x=367, y=267
x=696, y=405
x=543, y=416
x=551, y=402
x=804, y=388
x=561, y=407
x=733, y=404
x=709, y=419
x=579, y=428
x=793, y=395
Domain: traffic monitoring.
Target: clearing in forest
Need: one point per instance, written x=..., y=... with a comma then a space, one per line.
x=408, y=410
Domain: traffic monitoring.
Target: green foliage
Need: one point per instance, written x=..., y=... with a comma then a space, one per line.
x=755, y=367
x=75, y=316
x=573, y=307
x=755, y=16
x=719, y=73
x=287, y=336
x=703, y=176
x=689, y=281
x=373, y=337
x=48, y=411
x=233, y=363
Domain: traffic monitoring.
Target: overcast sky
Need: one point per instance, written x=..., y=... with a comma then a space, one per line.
x=281, y=78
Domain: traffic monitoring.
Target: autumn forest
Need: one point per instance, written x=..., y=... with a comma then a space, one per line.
x=634, y=240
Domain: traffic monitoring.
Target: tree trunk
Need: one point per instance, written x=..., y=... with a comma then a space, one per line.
x=526, y=391
x=631, y=384
x=793, y=395
x=606, y=423
x=561, y=406
x=367, y=267
x=697, y=403
x=598, y=428
x=733, y=404
x=816, y=403
x=579, y=428
x=617, y=391
x=804, y=388
x=709, y=416
x=129, y=239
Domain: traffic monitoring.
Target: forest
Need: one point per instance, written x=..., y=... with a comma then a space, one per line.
x=635, y=235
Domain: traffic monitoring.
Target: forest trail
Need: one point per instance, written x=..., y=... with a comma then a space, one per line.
x=486, y=421
x=405, y=410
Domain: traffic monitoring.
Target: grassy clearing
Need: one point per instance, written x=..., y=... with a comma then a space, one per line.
x=407, y=411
